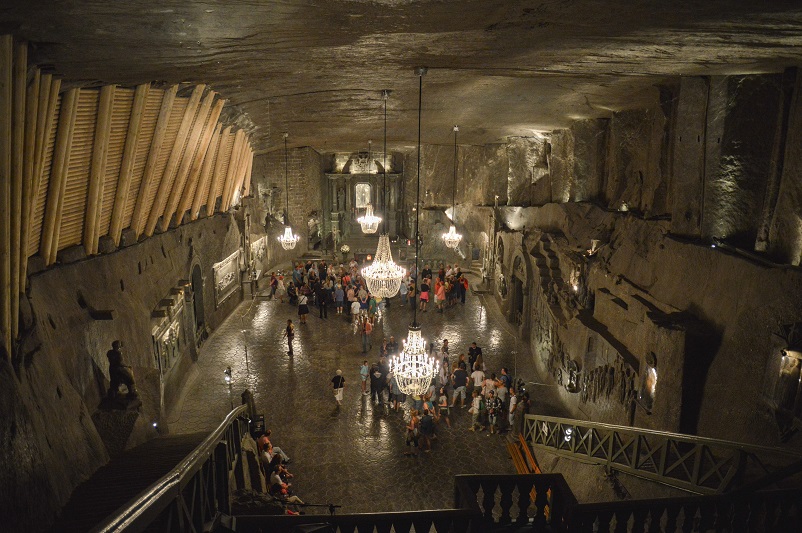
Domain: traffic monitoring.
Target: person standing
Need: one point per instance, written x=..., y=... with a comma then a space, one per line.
x=289, y=333
x=402, y=290
x=424, y=294
x=411, y=293
x=364, y=370
x=473, y=353
x=338, y=383
x=303, y=307
x=511, y=411
x=460, y=381
x=339, y=296
x=367, y=329
x=323, y=295
x=494, y=408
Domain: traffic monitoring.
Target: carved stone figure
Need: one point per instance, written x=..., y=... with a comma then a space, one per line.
x=119, y=372
x=341, y=199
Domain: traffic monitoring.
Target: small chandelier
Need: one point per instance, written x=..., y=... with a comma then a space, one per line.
x=413, y=368
x=383, y=276
x=369, y=222
x=288, y=240
x=452, y=238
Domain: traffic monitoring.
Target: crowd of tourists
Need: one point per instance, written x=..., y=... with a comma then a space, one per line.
x=491, y=399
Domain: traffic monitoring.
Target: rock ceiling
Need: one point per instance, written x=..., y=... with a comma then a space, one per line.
x=316, y=68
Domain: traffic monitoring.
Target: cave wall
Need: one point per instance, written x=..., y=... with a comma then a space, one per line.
x=305, y=174
x=54, y=433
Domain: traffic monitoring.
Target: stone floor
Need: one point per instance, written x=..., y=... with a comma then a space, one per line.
x=351, y=455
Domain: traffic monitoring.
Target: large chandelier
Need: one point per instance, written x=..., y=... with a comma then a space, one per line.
x=414, y=369
x=288, y=240
x=452, y=238
x=369, y=222
x=383, y=277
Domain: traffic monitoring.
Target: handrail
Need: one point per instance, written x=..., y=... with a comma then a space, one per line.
x=667, y=434
x=700, y=465
x=160, y=494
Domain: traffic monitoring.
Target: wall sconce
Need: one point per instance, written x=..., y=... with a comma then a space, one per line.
x=624, y=207
x=227, y=374
x=569, y=432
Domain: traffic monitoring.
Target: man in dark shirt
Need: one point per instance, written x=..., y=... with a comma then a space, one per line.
x=426, y=273
x=473, y=353
x=392, y=346
x=460, y=380
x=323, y=295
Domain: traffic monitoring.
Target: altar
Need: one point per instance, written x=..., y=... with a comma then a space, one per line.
x=357, y=183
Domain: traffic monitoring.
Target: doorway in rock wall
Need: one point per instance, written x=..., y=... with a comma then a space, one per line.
x=197, y=303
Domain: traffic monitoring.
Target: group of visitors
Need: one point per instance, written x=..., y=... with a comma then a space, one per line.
x=274, y=463
x=494, y=402
x=344, y=288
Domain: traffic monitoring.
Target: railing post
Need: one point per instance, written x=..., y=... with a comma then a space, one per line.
x=221, y=477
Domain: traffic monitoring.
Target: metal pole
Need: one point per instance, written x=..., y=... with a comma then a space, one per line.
x=421, y=71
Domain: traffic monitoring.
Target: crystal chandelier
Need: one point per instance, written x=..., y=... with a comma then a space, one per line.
x=452, y=238
x=369, y=222
x=383, y=276
x=288, y=240
x=413, y=369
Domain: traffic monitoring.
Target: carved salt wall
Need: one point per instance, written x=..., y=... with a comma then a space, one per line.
x=70, y=318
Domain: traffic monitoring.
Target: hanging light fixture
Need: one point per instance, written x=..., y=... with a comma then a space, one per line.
x=369, y=221
x=288, y=240
x=452, y=238
x=414, y=370
x=383, y=276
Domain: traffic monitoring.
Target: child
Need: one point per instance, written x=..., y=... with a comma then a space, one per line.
x=363, y=373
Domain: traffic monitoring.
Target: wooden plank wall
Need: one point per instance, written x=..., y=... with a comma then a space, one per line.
x=86, y=163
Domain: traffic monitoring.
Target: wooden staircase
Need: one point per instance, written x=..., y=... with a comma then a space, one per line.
x=122, y=479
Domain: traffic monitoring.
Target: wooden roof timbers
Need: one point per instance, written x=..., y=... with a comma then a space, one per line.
x=126, y=167
x=212, y=125
x=165, y=185
x=220, y=167
x=193, y=142
x=97, y=172
x=89, y=162
x=139, y=217
x=202, y=190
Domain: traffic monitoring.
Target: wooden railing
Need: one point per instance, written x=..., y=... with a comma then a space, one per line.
x=695, y=464
x=194, y=493
x=767, y=512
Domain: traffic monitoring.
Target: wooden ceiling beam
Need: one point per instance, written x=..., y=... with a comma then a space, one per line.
x=48, y=245
x=187, y=160
x=237, y=153
x=159, y=202
x=148, y=178
x=6, y=86
x=20, y=74
x=97, y=170
x=202, y=192
x=32, y=112
x=217, y=175
x=191, y=186
x=127, y=164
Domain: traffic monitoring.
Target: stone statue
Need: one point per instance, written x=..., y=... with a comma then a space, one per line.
x=340, y=199
x=119, y=372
